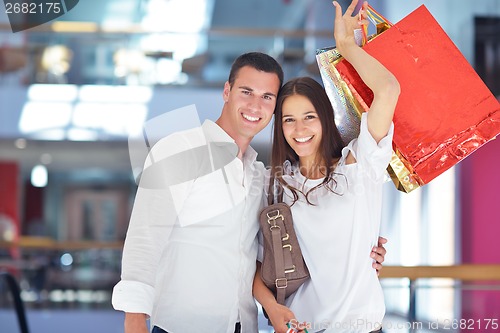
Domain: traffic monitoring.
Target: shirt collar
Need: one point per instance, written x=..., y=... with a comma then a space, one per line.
x=250, y=155
x=215, y=133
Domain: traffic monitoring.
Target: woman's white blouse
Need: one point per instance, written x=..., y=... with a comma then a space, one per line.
x=336, y=236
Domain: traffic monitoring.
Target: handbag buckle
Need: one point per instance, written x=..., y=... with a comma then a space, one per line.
x=281, y=283
x=290, y=270
x=274, y=226
x=277, y=215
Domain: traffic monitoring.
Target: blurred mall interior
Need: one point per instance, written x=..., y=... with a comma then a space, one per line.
x=75, y=89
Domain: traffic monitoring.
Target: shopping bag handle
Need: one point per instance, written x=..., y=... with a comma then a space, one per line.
x=376, y=18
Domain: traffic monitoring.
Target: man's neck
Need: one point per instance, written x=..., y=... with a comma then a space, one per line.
x=241, y=142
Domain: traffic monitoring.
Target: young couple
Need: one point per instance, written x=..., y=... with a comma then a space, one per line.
x=189, y=260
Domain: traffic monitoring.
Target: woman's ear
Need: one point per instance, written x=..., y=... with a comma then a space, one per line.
x=226, y=91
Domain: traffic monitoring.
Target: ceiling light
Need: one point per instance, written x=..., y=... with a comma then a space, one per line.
x=52, y=92
x=39, y=176
x=20, y=143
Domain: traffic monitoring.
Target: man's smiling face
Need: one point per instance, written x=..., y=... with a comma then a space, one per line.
x=250, y=102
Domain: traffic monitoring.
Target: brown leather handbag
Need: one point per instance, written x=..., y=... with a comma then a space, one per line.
x=283, y=268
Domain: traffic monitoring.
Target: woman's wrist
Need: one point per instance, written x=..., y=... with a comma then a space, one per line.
x=345, y=47
x=269, y=303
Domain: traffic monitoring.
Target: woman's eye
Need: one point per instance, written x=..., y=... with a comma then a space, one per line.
x=287, y=120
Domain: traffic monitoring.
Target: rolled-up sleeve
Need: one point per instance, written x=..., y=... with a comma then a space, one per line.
x=141, y=294
x=373, y=157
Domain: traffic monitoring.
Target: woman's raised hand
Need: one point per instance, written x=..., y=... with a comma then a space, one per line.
x=347, y=23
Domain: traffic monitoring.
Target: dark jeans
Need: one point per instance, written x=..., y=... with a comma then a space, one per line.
x=156, y=329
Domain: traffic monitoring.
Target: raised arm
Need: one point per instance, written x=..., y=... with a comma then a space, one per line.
x=383, y=83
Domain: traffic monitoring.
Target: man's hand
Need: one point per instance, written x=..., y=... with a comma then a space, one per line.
x=378, y=254
x=135, y=323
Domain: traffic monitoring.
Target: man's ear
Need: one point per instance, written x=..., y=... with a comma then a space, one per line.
x=225, y=93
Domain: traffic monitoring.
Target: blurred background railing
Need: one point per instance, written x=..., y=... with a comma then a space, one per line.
x=80, y=275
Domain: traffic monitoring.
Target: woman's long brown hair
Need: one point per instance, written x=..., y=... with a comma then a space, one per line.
x=331, y=145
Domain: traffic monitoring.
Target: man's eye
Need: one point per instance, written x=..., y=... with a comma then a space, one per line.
x=246, y=92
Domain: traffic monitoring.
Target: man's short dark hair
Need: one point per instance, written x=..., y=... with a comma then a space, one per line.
x=257, y=60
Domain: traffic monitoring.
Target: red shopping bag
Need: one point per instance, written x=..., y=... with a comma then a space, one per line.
x=445, y=111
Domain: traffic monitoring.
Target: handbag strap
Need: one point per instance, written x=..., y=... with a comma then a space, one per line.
x=271, y=193
x=279, y=264
x=282, y=255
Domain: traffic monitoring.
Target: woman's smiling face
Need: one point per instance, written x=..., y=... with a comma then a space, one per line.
x=301, y=126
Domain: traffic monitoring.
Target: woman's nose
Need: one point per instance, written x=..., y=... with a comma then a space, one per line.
x=299, y=126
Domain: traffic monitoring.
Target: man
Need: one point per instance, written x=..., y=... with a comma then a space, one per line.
x=191, y=248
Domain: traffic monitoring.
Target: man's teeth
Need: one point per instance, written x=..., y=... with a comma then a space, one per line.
x=250, y=118
x=303, y=139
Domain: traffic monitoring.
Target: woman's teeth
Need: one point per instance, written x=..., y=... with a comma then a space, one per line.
x=303, y=139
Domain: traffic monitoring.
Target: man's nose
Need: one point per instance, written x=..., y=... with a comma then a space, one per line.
x=255, y=103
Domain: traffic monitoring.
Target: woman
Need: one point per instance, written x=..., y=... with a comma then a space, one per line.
x=335, y=194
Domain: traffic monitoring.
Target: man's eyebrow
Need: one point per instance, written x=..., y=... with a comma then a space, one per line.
x=270, y=94
x=250, y=89
x=245, y=88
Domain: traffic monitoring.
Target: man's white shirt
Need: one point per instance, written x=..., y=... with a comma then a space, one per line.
x=190, y=252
